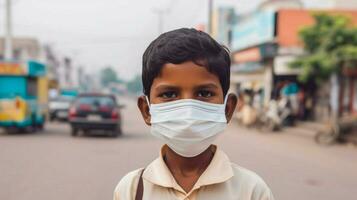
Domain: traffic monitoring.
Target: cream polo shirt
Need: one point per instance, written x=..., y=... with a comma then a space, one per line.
x=222, y=180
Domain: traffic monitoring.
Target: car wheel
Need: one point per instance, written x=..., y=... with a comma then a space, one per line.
x=11, y=130
x=32, y=128
x=74, y=131
x=114, y=133
x=40, y=127
x=117, y=132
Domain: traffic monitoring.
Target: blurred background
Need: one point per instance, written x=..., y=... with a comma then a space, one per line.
x=70, y=74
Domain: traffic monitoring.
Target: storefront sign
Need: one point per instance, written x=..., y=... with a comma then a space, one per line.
x=248, y=55
x=254, y=30
x=247, y=67
x=11, y=69
x=255, y=54
x=281, y=66
x=36, y=68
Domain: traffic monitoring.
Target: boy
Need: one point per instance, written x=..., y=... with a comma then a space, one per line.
x=186, y=78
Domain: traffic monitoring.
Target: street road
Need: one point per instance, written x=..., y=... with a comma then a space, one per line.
x=52, y=165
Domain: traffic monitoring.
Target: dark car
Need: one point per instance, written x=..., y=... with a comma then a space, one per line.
x=95, y=112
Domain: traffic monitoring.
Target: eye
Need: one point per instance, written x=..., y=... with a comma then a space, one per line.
x=168, y=95
x=205, y=93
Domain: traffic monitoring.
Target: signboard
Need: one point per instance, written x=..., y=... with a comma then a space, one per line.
x=225, y=18
x=30, y=68
x=249, y=55
x=36, y=68
x=253, y=30
x=8, y=68
x=281, y=66
x=247, y=67
x=255, y=54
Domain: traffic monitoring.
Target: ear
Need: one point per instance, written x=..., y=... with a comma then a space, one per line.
x=144, y=109
x=231, y=106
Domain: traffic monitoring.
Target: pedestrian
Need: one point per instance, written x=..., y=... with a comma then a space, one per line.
x=301, y=99
x=186, y=77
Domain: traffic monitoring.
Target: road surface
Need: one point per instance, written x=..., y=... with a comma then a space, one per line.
x=52, y=165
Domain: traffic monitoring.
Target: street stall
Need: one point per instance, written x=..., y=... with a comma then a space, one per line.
x=23, y=96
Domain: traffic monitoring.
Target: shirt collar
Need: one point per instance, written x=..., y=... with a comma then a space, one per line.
x=219, y=170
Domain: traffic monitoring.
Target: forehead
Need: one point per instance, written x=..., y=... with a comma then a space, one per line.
x=187, y=74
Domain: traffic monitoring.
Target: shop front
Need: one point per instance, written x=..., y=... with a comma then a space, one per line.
x=348, y=94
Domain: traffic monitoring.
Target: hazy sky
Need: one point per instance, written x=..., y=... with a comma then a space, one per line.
x=97, y=33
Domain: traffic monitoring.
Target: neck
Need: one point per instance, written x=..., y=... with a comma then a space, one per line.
x=188, y=166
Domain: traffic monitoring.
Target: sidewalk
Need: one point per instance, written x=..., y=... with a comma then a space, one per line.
x=305, y=128
x=309, y=129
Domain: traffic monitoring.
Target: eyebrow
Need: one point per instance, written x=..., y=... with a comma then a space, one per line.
x=166, y=87
x=208, y=85
x=170, y=87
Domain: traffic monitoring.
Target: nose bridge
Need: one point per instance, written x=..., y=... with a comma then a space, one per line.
x=187, y=93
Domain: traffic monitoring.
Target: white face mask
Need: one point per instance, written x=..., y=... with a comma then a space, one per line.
x=188, y=126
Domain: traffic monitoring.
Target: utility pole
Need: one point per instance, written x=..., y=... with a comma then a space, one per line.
x=161, y=13
x=210, y=11
x=8, y=31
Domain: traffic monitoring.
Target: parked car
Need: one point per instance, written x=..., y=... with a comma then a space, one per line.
x=59, y=107
x=95, y=112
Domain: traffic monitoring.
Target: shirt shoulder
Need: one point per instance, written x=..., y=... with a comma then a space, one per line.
x=252, y=183
x=126, y=188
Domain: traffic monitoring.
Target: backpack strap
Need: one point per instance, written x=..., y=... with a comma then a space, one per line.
x=140, y=188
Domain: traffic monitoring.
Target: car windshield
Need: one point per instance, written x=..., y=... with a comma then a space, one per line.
x=63, y=99
x=101, y=101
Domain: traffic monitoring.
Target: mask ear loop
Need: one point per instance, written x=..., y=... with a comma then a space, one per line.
x=225, y=105
x=147, y=100
x=226, y=99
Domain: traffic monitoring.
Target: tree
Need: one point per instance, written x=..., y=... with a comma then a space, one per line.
x=330, y=45
x=134, y=85
x=108, y=75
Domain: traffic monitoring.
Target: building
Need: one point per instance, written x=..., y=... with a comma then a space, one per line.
x=53, y=65
x=279, y=4
x=256, y=64
x=223, y=20
x=342, y=4
x=264, y=42
x=23, y=48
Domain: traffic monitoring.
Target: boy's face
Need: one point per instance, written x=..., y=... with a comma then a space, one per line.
x=186, y=81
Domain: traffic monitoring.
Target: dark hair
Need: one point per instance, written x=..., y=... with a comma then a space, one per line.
x=184, y=45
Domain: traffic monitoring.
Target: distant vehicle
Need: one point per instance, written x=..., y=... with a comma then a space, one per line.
x=95, y=112
x=68, y=92
x=59, y=107
x=23, y=96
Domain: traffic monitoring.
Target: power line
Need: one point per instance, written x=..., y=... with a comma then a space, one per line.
x=8, y=54
x=13, y=2
x=108, y=38
x=110, y=43
x=210, y=10
x=161, y=12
